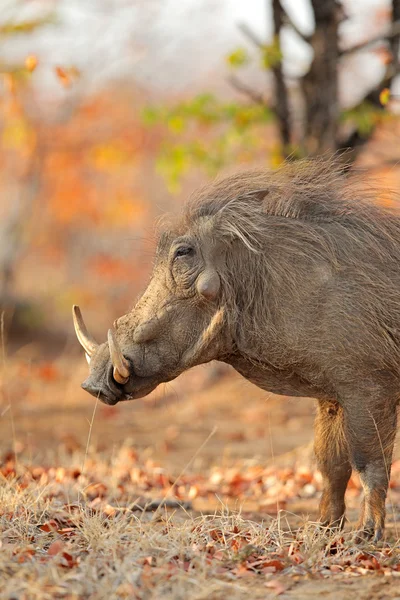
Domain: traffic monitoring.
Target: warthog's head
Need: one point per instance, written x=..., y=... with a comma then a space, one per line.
x=179, y=321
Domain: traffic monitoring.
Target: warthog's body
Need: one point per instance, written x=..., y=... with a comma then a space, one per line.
x=293, y=278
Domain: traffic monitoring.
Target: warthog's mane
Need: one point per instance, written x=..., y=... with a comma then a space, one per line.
x=306, y=217
x=312, y=190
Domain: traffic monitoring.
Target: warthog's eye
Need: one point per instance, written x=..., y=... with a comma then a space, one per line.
x=183, y=251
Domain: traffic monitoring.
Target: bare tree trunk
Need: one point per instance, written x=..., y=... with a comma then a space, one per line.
x=320, y=121
x=281, y=94
x=320, y=84
x=395, y=40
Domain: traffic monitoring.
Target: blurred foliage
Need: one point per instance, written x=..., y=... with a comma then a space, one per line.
x=79, y=196
x=28, y=26
x=384, y=96
x=73, y=184
x=212, y=134
x=364, y=117
x=238, y=58
x=271, y=54
x=13, y=28
x=208, y=133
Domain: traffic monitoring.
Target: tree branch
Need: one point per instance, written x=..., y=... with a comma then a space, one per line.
x=281, y=107
x=243, y=88
x=390, y=35
x=287, y=20
x=282, y=101
x=395, y=41
x=250, y=35
x=355, y=141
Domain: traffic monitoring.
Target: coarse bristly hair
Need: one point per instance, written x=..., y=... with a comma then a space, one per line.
x=295, y=236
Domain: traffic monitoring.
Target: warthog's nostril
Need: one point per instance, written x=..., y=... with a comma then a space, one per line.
x=88, y=386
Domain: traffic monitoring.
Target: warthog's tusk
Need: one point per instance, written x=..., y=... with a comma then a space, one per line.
x=120, y=364
x=85, y=340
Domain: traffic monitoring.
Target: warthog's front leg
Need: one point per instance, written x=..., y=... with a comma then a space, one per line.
x=333, y=461
x=370, y=427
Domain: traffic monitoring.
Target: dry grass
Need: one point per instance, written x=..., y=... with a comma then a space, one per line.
x=73, y=533
x=72, y=495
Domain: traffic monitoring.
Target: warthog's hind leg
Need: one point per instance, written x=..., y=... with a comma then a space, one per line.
x=333, y=461
x=370, y=436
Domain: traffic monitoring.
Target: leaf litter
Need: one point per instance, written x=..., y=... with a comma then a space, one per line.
x=139, y=529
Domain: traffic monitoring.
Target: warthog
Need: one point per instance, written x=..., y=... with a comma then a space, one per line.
x=293, y=278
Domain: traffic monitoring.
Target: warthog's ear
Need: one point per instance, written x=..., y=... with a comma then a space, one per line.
x=208, y=284
x=233, y=221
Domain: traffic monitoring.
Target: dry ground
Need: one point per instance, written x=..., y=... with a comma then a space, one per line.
x=81, y=483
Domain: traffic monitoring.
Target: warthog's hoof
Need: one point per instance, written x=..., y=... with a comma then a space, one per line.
x=368, y=534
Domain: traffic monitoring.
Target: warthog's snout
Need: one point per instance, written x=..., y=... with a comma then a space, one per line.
x=112, y=376
x=107, y=394
x=105, y=388
x=117, y=370
x=121, y=367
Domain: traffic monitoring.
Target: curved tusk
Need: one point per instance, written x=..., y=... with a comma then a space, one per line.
x=120, y=364
x=85, y=339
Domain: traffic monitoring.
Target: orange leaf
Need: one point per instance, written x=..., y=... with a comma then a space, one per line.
x=275, y=564
x=31, y=62
x=66, y=76
x=68, y=560
x=55, y=548
x=66, y=530
x=63, y=76
x=25, y=554
x=49, y=526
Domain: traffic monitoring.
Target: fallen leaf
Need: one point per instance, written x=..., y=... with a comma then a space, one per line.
x=55, y=548
x=68, y=561
x=51, y=525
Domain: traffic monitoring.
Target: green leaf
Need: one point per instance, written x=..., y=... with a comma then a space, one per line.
x=271, y=55
x=12, y=28
x=238, y=58
x=176, y=124
x=150, y=115
x=364, y=117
